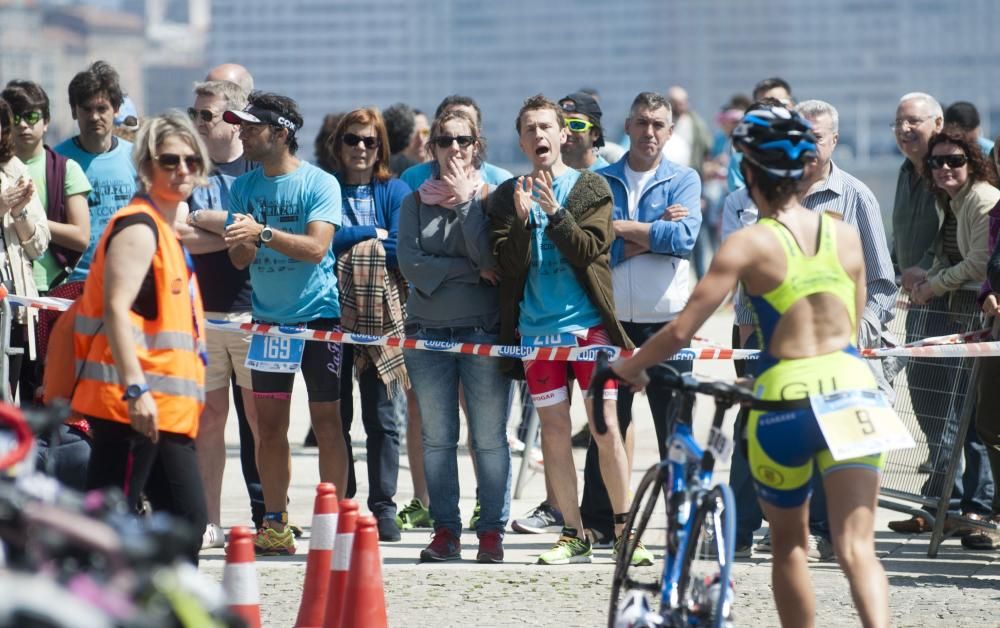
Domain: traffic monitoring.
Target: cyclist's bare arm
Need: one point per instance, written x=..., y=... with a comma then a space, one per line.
x=728, y=266
x=853, y=261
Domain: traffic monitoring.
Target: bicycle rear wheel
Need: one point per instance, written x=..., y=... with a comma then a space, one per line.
x=646, y=495
x=705, y=590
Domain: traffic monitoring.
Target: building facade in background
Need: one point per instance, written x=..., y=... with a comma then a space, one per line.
x=334, y=55
x=860, y=55
x=157, y=47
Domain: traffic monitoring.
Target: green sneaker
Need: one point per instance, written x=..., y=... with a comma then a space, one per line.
x=414, y=515
x=475, y=517
x=568, y=549
x=641, y=557
x=270, y=542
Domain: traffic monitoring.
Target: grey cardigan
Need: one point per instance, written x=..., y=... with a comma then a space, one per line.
x=441, y=253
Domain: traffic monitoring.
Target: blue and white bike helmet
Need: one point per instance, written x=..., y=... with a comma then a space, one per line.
x=776, y=139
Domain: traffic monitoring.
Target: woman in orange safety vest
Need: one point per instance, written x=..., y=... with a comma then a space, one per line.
x=139, y=336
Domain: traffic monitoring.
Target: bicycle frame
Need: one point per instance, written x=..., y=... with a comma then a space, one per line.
x=687, y=498
x=684, y=497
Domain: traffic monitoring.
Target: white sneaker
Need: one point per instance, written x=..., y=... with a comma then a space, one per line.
x=819, y=549
x=536, y=459
x=214, y=537
x=516, y=445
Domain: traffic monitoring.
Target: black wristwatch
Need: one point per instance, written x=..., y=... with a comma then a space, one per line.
x=134, y=391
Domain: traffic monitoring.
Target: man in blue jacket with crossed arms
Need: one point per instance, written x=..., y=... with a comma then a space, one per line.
x=656, y=220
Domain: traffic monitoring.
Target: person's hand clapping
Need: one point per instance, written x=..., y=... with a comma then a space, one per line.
x=543, y=194
x=15, y=197
x=522, y=197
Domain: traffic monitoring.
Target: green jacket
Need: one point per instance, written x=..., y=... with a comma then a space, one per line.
x=583, y=235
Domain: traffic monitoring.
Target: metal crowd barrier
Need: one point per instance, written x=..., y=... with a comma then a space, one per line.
x=527, y=469
x=935, y=398
x=6, y=350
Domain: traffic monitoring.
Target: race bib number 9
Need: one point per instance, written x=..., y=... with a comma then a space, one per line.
x=858, y=423
x=274, y=354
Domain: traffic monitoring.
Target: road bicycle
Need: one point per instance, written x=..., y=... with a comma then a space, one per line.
x=695, y=587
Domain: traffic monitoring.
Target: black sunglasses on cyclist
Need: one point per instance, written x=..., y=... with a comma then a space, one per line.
x=371, y=142
x=31, y=117
x=206, y=115
x=171, y=161
x=445, y=141
x=937, y=162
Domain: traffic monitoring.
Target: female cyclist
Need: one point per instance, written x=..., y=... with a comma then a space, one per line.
x=805, y=276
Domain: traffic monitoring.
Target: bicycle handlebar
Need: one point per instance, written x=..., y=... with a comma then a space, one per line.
x=723, y=392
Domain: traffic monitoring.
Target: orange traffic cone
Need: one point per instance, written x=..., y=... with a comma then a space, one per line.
x=341, y=563
x=321, y=541
x=239, y=579
x=365, y=597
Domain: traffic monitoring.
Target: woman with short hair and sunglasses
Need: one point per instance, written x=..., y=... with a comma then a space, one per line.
x=139, y=339
x=359, y=149
x=446, y=256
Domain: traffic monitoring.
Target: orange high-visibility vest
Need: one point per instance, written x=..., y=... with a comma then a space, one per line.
x=170, y=348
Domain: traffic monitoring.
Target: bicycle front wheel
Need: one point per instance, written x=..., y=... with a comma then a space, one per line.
x=705, y=589
x=624, y=581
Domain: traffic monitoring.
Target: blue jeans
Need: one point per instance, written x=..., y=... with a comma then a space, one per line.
x=435, y=377
x=69, y=458
x=378, y=414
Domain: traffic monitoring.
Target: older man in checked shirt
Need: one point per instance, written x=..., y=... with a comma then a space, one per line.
x=825, y=188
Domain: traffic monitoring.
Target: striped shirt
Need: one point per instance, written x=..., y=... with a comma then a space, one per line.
x=850, y=199
x=949, y=238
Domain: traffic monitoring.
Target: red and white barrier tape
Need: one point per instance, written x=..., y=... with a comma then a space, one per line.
x=952, y=339
x=967, y=350
x=41, y=303
x=568, y=354
x=954, y=345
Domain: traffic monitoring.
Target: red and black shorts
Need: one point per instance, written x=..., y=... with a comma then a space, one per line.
x=548, y=380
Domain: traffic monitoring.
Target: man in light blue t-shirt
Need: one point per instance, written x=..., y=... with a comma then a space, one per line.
x=414, y=176
x=551, y=232
x=282, y=219
x=95, y=98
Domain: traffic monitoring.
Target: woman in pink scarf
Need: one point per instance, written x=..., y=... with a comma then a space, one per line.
x=445, y=254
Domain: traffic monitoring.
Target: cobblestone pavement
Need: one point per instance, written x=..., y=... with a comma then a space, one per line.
x=958, y=587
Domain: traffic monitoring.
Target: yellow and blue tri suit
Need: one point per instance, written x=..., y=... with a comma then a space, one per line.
x=783, y=445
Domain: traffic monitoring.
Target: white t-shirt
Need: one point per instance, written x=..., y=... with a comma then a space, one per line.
x=677, y=150
x=637, y=182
